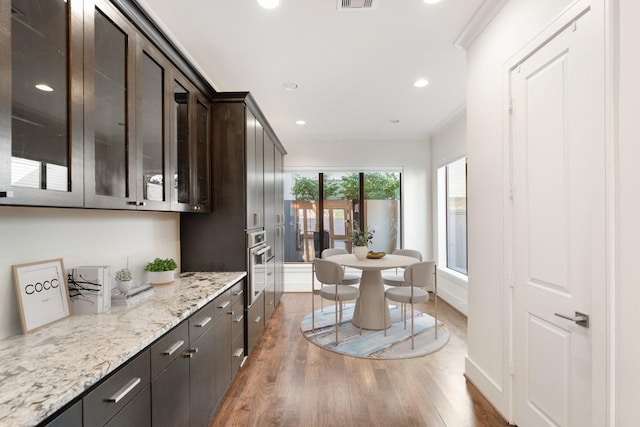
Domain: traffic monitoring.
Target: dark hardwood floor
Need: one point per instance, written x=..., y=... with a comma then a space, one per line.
x=288, y=381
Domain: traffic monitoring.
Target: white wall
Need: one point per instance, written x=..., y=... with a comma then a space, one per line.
x=79, y=237
x=449, y=143
x=626, y=300
x=488, y=320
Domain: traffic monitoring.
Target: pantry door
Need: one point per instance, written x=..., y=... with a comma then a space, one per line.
x=559, y=258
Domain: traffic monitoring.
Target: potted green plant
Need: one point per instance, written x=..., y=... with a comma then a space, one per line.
x=361, y=239
x=124, y=279
x=161, y=271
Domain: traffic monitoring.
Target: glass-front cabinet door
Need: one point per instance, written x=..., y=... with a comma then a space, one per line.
x=201, y=174
x=152, y=164
x=190, y=165
x=109, y=90
x=41, y=121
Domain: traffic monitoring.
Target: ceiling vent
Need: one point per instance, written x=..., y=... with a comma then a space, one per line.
x=356, y=5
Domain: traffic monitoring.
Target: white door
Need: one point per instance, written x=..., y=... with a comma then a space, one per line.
x=558, y=179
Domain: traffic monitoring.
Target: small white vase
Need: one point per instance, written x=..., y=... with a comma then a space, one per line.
x=161, y=277
x=125, y=285
x=360, y=252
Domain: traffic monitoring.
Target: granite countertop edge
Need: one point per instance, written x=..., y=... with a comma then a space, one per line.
x=45, y=370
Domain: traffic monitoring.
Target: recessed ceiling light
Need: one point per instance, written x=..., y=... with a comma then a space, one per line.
x=44, y=87
x=421, y=83
x=432, y=1
x=290, y=85
x=301, y=122
x=269, y=4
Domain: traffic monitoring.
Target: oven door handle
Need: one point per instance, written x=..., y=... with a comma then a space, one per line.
x=263, y=250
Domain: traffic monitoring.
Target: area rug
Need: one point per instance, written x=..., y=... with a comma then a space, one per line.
x=373, y=344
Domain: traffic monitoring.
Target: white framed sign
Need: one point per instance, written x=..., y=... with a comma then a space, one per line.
x=42, y=293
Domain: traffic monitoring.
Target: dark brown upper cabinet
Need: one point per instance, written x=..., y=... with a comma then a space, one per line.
x=190, y=164
x=41, y=103
x=110, y=145
x=95, y=113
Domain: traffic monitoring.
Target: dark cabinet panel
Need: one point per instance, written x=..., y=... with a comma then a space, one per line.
x=222, y=355
x=170, y=395
x=255, y=323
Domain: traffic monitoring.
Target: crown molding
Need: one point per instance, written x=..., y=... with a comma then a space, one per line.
x=478, y=22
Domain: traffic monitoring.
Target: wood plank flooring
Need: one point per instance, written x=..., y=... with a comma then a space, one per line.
x=288, y=381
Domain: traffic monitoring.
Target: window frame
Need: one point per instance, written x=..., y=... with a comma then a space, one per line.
x=442, y=186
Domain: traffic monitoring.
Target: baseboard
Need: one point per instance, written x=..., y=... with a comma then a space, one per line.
x=489, y=388
x=455, y=302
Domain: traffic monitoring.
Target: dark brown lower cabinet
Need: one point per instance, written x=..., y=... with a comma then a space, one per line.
x=222, y=357
x=170, y=395
x=180, y=379
x=255, y=323
x=71, y=417
x=203, y=380
x=136, y=413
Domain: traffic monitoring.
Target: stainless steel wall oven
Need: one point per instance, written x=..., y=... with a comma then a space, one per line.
x=258, y=253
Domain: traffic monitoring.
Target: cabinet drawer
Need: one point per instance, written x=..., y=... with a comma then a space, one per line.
x=137, y=413
x=237, y=292
x=165, y=350
x=202, y=320
x=113, y=394
x=237, y=354
x=222, y=305
x=237, y=321
x=71, y=417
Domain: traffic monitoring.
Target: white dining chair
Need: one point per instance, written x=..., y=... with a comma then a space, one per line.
x=418, y=276
x=330, y=274
x=396, y=278
x=348, y=279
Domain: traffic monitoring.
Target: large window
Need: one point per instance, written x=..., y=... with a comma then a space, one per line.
x=452, y=215
x=339, y=195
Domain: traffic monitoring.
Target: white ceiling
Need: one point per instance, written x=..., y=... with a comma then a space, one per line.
x=355, y=69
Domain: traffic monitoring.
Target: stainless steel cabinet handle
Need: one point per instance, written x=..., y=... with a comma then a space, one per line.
x=239, y=352
x=124, y=391
x=173, y=348
x=257, y=319
x=238, y=293
x=203, y=323
x=579, y=318
x=239, y=318
x=224, y=304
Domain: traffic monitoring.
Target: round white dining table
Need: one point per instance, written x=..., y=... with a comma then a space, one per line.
x=371, y=310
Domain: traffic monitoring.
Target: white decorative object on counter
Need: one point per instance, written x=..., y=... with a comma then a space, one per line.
x=161, y=277
x=124, y=279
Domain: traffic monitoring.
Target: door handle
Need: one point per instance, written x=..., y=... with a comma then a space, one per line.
x=579, y=318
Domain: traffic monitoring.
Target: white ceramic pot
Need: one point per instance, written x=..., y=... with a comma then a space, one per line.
x=360, y=252
x=161, y=277
x=125, y=285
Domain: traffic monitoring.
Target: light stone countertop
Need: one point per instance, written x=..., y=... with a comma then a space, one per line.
x=44, y=370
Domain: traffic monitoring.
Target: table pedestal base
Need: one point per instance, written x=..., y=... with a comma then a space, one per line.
x=370, y=306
